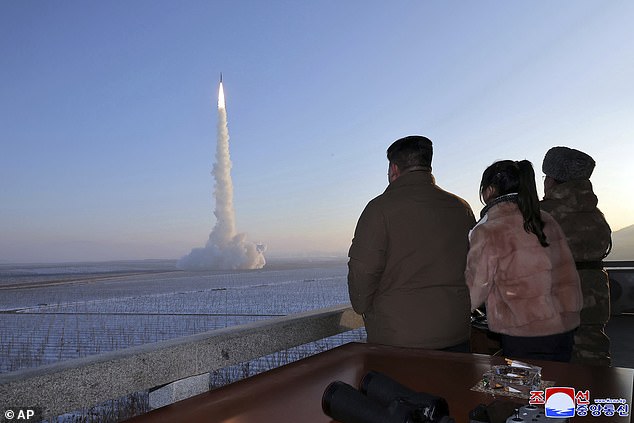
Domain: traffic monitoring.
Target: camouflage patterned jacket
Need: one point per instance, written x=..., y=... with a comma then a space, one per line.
x=573, y=204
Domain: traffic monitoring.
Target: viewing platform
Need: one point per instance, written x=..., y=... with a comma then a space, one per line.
x=176, y=369
x=293, y=393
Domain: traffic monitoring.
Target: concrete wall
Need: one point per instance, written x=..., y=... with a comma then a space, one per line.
x=74, y=384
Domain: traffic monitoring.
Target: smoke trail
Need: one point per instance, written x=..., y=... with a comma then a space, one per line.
x=225, y=248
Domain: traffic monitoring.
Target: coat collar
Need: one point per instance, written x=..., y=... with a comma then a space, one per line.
x=498, y=207
x=577, y=194
x=502, y=209
x=507, y=198
x=415, y=177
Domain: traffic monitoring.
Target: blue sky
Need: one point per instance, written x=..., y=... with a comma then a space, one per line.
x=108, y=113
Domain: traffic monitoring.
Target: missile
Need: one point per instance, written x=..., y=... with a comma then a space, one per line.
x=221, y=77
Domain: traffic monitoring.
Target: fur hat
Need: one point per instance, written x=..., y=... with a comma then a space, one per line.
x=566, y=164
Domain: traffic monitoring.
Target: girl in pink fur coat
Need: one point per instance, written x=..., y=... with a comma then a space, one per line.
x=519, y=265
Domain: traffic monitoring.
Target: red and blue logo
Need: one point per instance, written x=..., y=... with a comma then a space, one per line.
x=560, y=402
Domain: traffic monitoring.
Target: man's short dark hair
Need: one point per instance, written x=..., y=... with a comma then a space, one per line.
x=412, y=151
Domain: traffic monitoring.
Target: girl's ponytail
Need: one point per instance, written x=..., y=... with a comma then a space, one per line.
x=529, y=203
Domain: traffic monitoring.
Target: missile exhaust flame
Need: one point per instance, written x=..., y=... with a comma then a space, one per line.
x=221, y=95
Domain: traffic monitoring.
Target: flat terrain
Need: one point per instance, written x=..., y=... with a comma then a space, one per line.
x=50, y=313
x=58, y=312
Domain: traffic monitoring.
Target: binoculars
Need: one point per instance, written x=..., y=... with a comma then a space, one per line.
x=382, y=400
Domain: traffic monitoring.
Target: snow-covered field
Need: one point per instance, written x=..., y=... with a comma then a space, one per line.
x=58, y=312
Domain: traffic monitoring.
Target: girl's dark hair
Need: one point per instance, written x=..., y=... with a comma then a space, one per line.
x=508, y=177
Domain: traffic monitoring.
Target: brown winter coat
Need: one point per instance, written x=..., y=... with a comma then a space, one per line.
x=529, y=290
x=406, y=268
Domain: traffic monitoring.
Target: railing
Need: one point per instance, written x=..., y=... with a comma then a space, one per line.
x=621, y=275
x=75, y=384
x=80, y=383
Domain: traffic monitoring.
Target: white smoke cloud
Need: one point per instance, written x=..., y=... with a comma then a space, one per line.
x=225, y=249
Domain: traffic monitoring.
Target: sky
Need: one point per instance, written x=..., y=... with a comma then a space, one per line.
x=108, y=113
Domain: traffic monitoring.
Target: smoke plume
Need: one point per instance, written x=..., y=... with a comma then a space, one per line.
x=225, y=249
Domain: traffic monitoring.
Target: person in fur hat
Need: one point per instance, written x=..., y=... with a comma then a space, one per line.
x=569, y=198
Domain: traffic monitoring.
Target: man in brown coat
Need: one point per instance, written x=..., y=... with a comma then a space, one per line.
x=569, y=198
x=408, y=256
